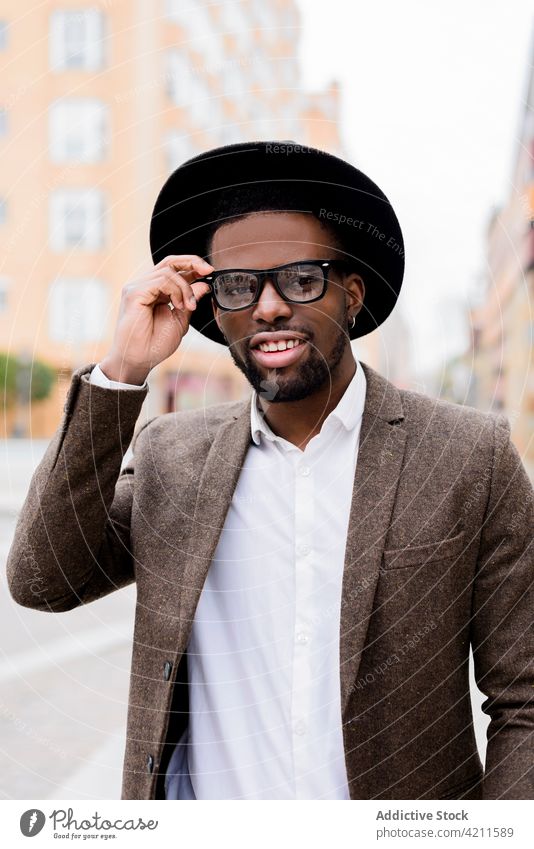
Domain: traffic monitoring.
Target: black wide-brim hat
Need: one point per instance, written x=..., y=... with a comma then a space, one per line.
x=336, y=192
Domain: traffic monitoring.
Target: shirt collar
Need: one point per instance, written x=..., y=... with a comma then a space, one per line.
x=348, y=412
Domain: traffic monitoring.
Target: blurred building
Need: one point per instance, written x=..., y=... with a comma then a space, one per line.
x=502, y=358
x=388, y=351
x=99, y=101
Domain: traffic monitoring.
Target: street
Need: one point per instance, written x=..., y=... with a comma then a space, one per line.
x=64, y=678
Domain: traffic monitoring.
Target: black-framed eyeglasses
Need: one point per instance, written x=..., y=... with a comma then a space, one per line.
x=298, y=282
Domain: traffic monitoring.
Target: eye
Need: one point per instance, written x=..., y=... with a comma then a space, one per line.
x=235, y=288
x=241, y=287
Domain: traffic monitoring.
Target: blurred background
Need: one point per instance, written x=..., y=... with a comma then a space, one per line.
x=99, y=102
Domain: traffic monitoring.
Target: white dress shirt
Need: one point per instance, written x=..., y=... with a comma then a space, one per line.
x=263, y=654
x=98, y=377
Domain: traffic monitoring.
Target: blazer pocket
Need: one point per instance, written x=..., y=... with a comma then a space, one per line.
x=418, y=555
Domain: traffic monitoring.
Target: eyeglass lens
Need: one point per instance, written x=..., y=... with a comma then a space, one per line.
x=299, y=283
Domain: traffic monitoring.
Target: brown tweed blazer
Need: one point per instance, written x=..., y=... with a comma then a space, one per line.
x=439, y=557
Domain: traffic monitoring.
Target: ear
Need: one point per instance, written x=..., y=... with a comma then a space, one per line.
x=355, y=293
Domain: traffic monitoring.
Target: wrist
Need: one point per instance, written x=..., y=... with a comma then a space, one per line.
x=122, y=372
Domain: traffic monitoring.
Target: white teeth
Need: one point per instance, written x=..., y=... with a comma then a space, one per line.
x=282, y=345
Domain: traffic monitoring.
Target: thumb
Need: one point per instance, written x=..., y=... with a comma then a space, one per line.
x=200, y=289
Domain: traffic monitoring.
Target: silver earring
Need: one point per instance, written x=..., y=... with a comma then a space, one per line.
x=352, y=322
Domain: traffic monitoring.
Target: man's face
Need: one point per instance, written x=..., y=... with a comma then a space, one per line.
x=264, y=240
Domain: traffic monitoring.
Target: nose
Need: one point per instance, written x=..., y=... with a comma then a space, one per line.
x=271, y=305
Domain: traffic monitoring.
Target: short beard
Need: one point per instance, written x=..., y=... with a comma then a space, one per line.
x=306, y=379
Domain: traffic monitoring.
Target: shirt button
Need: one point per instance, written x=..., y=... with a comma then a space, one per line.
x=302, y=637
x=304, y=471
x=300, y=727
x=303, y=549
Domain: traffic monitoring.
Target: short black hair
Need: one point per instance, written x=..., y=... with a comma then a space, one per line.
x=233, y=204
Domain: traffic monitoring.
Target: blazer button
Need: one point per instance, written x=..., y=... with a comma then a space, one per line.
x=167, y=669
x=150, y=763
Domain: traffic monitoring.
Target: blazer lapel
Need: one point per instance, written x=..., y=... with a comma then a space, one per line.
x=380, y=455
x=215, y=489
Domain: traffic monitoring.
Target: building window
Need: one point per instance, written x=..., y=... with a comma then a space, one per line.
x=265, y=16
x=77, y=219
x=3, y=210
x=3, y=121
x=4, y=286
x=187, y=87
x=3, y=35
x=77, y=310
x=178, y=77
x=194, y=17
x=233, y=81
x=76, y=40
x=231, y=134
x=178, y=148
x=200, y=29
x=78, y=129
x=205, y=108
x=234, y=22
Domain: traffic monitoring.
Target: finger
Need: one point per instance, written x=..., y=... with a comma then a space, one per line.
x=193, y=272
x=177, y=321
x=192, y=292
x=190, y=264
x=180, y=276
x=183, y=295
x=186, y=292
x=161, y=292
x=200, y=289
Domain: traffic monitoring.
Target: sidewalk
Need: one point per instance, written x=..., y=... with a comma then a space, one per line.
x=64, y=692
x=18, y=459
x=100, y=777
